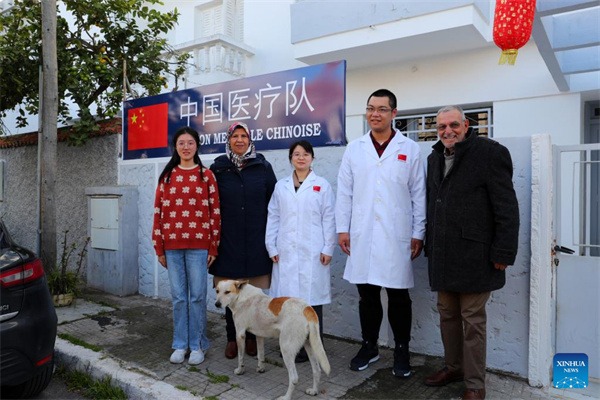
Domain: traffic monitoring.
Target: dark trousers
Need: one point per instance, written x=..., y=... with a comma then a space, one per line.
x=319, y=311
x=230, y=327
x=371, y=312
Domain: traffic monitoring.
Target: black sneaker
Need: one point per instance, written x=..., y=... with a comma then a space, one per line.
x=367, y=354
x=402, y=362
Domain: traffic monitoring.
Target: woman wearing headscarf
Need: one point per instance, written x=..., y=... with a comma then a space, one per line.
x=246, y=181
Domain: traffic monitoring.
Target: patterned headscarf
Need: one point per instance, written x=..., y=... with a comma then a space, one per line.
x=236, y=159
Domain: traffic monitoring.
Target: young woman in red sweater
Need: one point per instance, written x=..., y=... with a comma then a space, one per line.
x=186, y=234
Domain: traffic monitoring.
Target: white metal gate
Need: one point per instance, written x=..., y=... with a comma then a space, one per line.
x=577, y=184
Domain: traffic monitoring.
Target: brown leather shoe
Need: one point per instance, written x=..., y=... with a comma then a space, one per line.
x=443, y=377
x=473, y=394
x=251, y=347
x=231, y=350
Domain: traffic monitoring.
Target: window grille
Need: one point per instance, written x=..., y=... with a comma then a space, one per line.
x=421, y=127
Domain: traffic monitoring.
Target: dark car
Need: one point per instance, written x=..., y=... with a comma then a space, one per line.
x=27, y=322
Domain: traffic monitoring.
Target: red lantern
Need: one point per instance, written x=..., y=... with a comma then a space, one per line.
x=513, y=21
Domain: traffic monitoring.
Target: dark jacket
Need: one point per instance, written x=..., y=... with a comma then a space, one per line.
x=244, y=196
x=472, y=216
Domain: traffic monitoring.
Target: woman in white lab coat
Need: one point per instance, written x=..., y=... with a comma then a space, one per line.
x=301, y=234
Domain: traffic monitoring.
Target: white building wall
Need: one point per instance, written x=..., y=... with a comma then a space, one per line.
x=469, y=78
x=267, y=31
x=559, y=116
x=508, y=308
x=525, y=101
x=466, y=78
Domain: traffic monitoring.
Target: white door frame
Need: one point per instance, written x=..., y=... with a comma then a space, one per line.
x=542, y=310
x=542, y=268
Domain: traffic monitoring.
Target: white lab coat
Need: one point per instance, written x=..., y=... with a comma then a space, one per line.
x=301, y=226
x=381, y=203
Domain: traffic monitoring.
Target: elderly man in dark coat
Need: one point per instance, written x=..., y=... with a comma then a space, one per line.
x=472, y=235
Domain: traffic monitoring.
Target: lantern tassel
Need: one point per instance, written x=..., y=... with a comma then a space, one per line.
x=508, y=56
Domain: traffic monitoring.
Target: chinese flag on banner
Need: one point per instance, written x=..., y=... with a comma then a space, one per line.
x=148, y=127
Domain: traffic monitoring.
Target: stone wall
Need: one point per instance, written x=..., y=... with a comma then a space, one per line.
x=93, y=164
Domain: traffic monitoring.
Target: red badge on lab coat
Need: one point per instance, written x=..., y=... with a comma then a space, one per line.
x=402, y=157
x=317, y=188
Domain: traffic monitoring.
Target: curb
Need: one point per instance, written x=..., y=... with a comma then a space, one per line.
x=99, y=366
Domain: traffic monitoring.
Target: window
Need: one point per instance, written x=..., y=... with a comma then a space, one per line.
x=220, y=17
x=421, y=127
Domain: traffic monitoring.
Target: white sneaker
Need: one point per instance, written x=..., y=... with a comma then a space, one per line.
x=196, y=357
x=177, y=357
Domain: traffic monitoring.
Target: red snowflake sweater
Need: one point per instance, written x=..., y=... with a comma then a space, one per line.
x=186, y=212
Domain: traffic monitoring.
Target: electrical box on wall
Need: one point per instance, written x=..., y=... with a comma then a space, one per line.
x=104, y=223
x=112, y=261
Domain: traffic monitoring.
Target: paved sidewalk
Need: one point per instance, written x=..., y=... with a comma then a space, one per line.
x=133, y=338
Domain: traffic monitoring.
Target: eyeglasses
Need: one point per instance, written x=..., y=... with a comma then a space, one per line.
x=452, y=125
x=380, y=110
x=301, y=155
x=184, y=144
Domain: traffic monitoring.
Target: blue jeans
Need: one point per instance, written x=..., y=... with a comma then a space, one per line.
x=188, y=274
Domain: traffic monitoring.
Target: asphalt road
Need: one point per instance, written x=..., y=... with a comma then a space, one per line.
x=57, y=390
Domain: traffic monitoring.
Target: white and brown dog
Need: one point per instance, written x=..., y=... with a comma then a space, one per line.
x=291, y=319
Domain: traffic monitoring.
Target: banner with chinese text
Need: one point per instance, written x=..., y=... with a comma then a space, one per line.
x=301, y=104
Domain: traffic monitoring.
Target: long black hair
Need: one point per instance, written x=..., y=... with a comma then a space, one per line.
x=175, y=159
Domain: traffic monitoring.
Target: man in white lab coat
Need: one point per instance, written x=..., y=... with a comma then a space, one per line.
x=380, y=220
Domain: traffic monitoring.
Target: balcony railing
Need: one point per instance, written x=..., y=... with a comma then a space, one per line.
x=217, y=53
